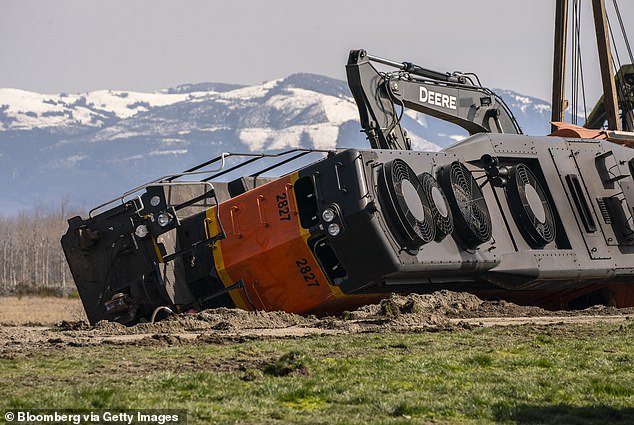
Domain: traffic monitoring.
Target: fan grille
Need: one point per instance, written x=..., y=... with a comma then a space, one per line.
x=441, y=211
x=471, y=214
x=405, y=205
x=530, y=207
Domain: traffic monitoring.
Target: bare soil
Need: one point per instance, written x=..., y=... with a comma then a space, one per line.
x=42, y=311
x=31, y=324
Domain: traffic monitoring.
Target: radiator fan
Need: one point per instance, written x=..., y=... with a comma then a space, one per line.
x=530, y=207
x=472, y=220
x=440, y=210
x=405, y=205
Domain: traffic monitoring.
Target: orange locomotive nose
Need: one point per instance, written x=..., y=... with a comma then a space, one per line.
x=266, y=247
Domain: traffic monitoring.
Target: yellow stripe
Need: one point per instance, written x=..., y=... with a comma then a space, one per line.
x=212, y=228
x=159, y=256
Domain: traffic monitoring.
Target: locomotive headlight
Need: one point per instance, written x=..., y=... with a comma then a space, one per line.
x=141, y=231
x=334, y=229
x=328, y=215
x=163, y=219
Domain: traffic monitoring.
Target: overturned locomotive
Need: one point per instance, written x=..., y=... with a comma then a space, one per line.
x=542, y=220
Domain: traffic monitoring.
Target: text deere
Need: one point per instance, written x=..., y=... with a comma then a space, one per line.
x=438, y=99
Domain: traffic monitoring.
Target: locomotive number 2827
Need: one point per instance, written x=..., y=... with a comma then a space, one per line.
x=307, y=272
x=282, y=207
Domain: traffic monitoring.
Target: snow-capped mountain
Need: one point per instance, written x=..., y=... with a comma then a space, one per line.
x=92, y=147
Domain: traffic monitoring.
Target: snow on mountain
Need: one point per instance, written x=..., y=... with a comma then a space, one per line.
x=24, y=110
x=93, y=146
x=532, y=114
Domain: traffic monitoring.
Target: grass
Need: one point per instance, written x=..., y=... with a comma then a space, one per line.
x=558, y=374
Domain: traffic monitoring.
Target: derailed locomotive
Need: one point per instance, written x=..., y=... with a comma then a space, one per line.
x=542, y=220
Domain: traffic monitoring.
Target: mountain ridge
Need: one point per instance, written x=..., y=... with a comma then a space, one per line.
x=91, y=146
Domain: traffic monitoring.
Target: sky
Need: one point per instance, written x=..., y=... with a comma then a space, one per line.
x=74, y=46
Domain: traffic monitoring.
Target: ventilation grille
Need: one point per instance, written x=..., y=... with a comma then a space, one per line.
x=441, y=211
x=530, y=207
x=405, y=205
x=472, y=220
x=605, y=212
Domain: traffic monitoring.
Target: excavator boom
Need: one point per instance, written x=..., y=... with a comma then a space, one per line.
x=381, y=97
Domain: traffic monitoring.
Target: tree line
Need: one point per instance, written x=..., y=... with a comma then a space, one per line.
x=31, y=256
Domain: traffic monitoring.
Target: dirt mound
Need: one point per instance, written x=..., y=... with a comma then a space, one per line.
x=396, y=313
x=445, y=303
x=220, y=319
x=225, y=318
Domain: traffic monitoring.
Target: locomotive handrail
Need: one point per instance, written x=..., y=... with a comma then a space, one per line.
x=219, y=171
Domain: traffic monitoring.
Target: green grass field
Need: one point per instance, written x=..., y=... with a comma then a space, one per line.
x=557, y=374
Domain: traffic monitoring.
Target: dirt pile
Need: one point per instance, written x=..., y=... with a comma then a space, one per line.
x=225, y=319
x=219, y=319
x=411, y=312
x=397, y=313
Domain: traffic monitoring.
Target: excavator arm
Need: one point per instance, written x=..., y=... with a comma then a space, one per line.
x=381, y=98
x=625, y=88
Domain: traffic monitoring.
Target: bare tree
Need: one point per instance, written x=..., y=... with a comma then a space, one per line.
x=31, y=257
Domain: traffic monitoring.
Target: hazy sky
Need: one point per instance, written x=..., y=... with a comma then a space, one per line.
x=146, y=45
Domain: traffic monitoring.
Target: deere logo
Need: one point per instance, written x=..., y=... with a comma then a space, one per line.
x=437, y=99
